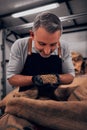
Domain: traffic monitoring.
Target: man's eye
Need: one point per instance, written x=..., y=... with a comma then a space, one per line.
x=42, y=44
x=53, y=45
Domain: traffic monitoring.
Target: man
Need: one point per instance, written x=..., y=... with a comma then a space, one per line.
x=42, y=61
x=41, y=54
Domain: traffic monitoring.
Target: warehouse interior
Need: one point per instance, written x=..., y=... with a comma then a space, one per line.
x=72, y=13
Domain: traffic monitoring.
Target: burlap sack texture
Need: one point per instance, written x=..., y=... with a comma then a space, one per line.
x=11, y=122
x=53, y=115
x=70, y=115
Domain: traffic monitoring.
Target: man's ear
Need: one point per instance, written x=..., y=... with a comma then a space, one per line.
x=31, y=33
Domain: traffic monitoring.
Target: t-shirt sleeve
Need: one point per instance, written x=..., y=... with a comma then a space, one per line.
x=15, y=60
x=67, y=64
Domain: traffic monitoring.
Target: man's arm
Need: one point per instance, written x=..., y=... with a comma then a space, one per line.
x=20, y=80
x=66, y=78
x=16, y=63
x=67, y=66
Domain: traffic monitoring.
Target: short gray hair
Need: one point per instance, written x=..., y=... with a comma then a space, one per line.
x=48, y=21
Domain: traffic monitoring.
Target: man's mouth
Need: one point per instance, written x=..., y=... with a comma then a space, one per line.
x=45, y=56
x=42, y=54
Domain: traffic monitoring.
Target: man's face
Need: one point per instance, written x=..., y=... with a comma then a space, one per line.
x=45, y=42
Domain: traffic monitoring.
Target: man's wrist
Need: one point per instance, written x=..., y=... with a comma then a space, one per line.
x=58, y=79
x=37, y=80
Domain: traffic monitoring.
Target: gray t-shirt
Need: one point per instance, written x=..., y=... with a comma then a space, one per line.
x=19, y=52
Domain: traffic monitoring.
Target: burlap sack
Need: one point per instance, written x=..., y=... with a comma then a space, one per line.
x=11, y=122
x=80, y=93
x=55, y=115
x=71, y=115
x=32, y=93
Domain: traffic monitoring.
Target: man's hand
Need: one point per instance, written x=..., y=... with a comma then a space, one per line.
x=48, y=79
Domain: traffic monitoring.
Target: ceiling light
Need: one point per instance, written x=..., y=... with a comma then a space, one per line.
x=36, y=10
x=19, y=27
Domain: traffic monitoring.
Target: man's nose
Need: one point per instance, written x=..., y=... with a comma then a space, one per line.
x=47, y=50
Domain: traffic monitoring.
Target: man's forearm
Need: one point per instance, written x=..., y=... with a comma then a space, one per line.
x=66, y=78
x=20, y=80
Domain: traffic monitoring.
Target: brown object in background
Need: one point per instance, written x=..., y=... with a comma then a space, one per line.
x=86, y=66
x=78, y=63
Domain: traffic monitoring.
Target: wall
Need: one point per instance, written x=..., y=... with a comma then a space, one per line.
x=0, y=65
x=0, y=62
x=7, y=52
x=77, y=42
x=8, y=48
